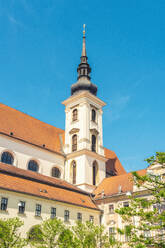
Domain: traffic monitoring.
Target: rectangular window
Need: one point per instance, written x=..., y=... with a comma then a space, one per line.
x=66, y=215
x=79, y=216
x=53, y=213
x=21, y=207
x=111, y=208
x=125, y=204
x=4, y=202
x=91, y=218
x=111, y=231
x=38, y=210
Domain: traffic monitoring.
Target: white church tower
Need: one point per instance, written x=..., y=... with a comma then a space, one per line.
x=85, y=161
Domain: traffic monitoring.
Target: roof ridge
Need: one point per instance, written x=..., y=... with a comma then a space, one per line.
x=11, y=108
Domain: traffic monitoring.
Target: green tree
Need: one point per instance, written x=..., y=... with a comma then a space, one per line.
x=50, y=234
x=10, y=235
x=145, y=217
x=66, y=239
x=88, y=235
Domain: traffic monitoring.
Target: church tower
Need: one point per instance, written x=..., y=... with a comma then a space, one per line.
x=85, y=161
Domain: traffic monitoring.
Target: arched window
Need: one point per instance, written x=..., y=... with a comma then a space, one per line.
x=73, y=172
x=56, y=172
x=33, y=166
x=7, y=158
x=93, y=115
x=93, y=143
x=95, y=172
x=74, y=143
x=75, y=115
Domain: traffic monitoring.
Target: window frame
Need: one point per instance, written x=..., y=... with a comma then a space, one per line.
x=93, y=143
x=53, y=213
x=74, y=143
x=34, y=163
x=75, y=114
x=91, y=218
x=21, y=207
x=74, y=168
x=38, y=210
x=93, y=115
x=7, y=156
x=111, y=209
x=66, y=215
x=79, y=216
x=4, y=203
x=54, y=174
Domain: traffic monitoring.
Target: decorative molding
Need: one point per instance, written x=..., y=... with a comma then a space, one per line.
x=75, y=106
x=84, y=94
x=94, y=131
x=74, y=130
x=86, y=152
x=94, y=107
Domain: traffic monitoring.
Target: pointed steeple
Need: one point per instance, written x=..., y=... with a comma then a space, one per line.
x=83, y=54
x=84, y=71
x=84, y=68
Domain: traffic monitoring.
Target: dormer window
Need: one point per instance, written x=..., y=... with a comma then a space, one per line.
x=74, y=143
x=75, y=115
x=93, y=115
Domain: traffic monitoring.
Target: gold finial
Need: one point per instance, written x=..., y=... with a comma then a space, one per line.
x=84, y=30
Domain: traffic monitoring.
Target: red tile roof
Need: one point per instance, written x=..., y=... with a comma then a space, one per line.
x=29, y=129
x=113, y=164
x=28, y=182
x=110, y=185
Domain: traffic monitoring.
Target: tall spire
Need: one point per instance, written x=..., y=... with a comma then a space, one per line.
x=83, y=70
x=84, y=45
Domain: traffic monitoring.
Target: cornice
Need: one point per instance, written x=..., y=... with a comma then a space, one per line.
x=86, y=152
x=84, y=94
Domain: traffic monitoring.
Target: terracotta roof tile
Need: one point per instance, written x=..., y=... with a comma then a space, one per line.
x=22, y=181
x=113, y=164
x=38, y=177
x=29, y=129
x=110, y=185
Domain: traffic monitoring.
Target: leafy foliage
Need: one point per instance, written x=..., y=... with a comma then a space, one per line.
x=47, y=234
x=9, y=235
x=145, y=217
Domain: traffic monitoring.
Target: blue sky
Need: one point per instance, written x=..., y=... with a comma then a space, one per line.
x=40, y=48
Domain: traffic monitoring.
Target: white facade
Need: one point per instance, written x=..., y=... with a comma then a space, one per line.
x=30, y=219
x=23, y=153
x=84, y=127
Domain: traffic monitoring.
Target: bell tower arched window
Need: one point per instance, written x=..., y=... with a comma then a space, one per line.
x=93, y=115
x=7, y=158
x=75, y=115
x=73, y=172
x=74, y=143
x=95, y=173
x=93, y=143
x=33, y=166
